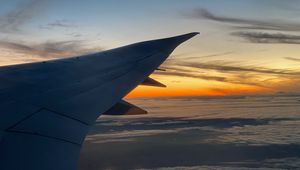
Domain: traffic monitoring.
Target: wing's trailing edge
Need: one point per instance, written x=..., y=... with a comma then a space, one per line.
x=47, y=108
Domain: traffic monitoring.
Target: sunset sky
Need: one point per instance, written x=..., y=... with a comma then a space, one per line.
x=245, y=46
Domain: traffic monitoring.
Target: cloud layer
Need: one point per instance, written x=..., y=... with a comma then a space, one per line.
x=254, y=30
x=228, y=72
x=293, y=59
x=260, y=37
x=16, y=45
x=61, y=23
x=236, y=22
x=243, y=132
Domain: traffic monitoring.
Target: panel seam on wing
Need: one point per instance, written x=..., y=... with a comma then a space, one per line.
x=64, y=115
x=39, y=110
x=12, y=129
x=41, y=135
x=25, y=118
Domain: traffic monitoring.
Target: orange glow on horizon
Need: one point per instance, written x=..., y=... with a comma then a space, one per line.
x=144, y=91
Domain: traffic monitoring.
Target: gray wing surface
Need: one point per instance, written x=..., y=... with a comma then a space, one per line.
x=48, y=107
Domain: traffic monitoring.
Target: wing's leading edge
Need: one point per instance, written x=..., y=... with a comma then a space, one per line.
x=48, y=107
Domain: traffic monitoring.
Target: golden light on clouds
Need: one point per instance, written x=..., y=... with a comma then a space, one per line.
x=182, y=86
x=192, y=77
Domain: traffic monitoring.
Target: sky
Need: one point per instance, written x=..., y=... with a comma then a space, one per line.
x=245, y=46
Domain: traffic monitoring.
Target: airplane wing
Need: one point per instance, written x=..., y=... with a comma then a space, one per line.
x=47, y=108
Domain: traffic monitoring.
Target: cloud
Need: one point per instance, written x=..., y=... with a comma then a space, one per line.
x=211, y=55
x=293, y=59
x=60, y=46
x=49, y=49
x=222, y=66
x=192, y=75
x=243, y=23
x=63, y=23
x=131, y=129
x=75, y=35
x=260, y=37
x=15, y=46
x=125, y=136
x=243, y=74
x=254, y=24
x=15, y=19
x=229, y=72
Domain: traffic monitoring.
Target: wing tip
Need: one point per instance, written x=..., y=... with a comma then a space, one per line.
x=177, y=40
x=187, y=36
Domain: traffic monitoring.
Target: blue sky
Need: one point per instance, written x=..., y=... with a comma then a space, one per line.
x=119, y=20
x=257, y=40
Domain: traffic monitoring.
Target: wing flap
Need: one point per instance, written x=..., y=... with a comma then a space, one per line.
x=125, y=108
x=151, y=82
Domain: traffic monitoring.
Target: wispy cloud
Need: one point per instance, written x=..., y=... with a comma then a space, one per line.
x=15, y=46
x=293, y=59
x=22, y=14
x=49, y=49
x=175, y=72
x=260, y=37
x=200, y=13
x=228, y=72
x=211, y=55
x=62, y=23
x=223, y=66
x=125, y=136
x=74, y=34
x=13, y=23
x=245, y=25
